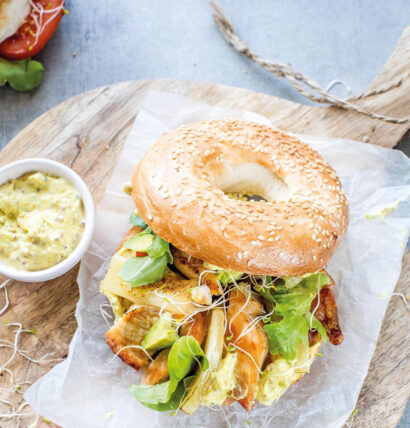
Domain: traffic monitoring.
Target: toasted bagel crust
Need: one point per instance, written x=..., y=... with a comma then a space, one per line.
x=174, y=190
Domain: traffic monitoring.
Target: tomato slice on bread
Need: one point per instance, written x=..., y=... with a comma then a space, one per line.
x=35, y=31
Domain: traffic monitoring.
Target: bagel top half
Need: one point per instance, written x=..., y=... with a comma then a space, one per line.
x=181, y=189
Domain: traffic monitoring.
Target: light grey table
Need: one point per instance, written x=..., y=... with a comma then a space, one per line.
x=348, y=40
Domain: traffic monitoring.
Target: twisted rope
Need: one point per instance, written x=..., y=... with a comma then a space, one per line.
x=297, y=79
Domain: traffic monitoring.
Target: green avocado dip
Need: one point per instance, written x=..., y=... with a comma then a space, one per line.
x=41, y=221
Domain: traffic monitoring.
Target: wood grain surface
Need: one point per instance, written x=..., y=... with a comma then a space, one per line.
x=87, y=133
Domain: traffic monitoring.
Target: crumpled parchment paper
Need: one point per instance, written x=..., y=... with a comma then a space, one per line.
x=89, y=389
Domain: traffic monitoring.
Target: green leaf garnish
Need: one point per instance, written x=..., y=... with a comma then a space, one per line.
x=293, y=300
x=228, y=276
x=317, y=325
x=137, y=220
x=285, y=336
x=266, y=292
x=184, y=353
x=158, y=248
x=310, y=280
x=139, y=271
x=22, y=75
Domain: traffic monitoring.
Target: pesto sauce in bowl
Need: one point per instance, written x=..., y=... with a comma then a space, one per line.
x=41, y=221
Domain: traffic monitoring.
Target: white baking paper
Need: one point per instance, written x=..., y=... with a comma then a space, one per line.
x=89, y=389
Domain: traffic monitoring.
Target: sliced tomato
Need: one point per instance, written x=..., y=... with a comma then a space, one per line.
x=31, y=37
x=140, y=254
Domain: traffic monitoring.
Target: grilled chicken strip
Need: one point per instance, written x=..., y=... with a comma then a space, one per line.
x=157, y=370
x=252, y=346
x=326, y=313
x=131, y=329
x=192, y=269
x=197, y=327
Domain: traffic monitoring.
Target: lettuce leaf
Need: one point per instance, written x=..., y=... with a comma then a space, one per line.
x=137, y=220
x=317, y=325
x=139, y=271
x=151, y=394
x=286, y=335
x=266, y=290
x=228, y=276
x=296, y=301
x=292, y=306
x=184, y=353
x=158, y=248
x=177, y=397
x=22, y=75
x=309, y=280
x=223, y=275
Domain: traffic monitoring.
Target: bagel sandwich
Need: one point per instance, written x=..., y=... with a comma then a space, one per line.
x=219, y=289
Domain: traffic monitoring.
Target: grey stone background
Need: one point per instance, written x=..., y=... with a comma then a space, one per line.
x=124, y=40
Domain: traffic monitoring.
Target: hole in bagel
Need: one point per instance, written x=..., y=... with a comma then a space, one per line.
x=251, y=180
x=245, y=196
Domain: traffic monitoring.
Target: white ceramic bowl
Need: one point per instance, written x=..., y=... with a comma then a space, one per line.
x=17, y=169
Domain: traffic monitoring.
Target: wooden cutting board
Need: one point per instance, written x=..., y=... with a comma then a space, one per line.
x=87, y=133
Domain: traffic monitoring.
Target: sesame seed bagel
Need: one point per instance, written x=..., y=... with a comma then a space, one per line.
x=182, y=188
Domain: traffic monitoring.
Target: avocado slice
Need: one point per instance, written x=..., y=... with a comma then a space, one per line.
x=161, y=335
x=139, y=242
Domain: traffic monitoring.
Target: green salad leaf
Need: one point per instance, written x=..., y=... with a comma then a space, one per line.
x=317, y=325
x=267, y=288
x=310, y=280
x=158, y=248
x=137, y=220
x=151, y=394
x=223, y=275
x=22, y=75
x=296, y=301
x=150, y=243
x=147, y=231
x=266, y=292
x=228, y=276
x=184, y=353
x=292, y=309
x=139, y=271
x=155, y=395
x=286, y=335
